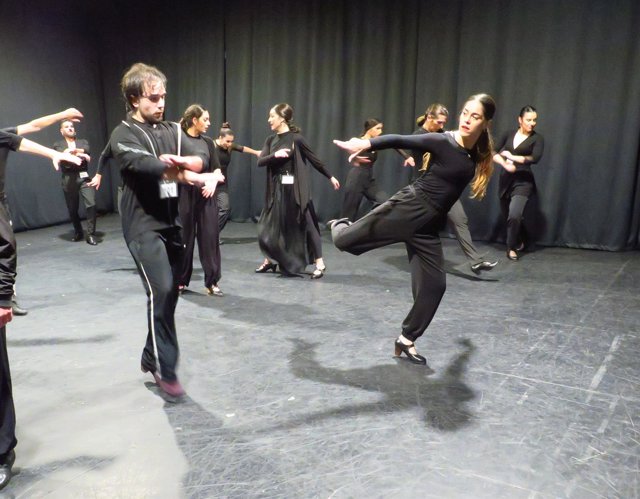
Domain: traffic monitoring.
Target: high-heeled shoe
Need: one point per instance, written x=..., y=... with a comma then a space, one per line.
x=318, y=272
x=413, y=357
x=266, y=267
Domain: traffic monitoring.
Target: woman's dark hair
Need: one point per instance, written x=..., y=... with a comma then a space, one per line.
x=225, y=130
x=432, y=111
x=369, y=124
x=527, y=109
x=285, y=111
x=193, y=111
x=135, y=78
x=483, y=148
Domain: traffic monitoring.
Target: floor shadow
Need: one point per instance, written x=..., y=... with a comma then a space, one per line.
x=237, y=240
x=103, y=338
x=205, y=442
x=25, y=479
x=403, y=386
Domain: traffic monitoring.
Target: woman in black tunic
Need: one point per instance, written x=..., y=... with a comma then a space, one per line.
x=517, y=151
x=198, y=206
x=415, y=214
x=288, y=232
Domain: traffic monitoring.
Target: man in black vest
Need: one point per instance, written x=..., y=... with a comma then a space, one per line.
x=75, y=182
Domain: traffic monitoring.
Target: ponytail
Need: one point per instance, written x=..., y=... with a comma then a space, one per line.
x=484, y=165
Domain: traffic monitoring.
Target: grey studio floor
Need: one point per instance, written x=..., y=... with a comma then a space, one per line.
x=293, y=390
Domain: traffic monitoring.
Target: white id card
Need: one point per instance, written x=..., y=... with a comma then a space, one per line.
x=287, y=179
x=168, y=190
x=84, y=175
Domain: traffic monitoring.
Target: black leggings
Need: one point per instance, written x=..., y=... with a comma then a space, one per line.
x=409, y=218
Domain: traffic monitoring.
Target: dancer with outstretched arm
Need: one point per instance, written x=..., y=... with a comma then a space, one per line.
x=415, y=214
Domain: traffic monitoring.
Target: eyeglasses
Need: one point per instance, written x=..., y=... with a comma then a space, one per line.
x=155, y=98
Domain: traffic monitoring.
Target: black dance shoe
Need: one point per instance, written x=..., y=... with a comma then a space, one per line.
x=318, y=273
x=78, y=236
x=415, y=358
x=484, y=265
x=17, y=309
x=91, y=240
x=266, y=267
x=6, y=469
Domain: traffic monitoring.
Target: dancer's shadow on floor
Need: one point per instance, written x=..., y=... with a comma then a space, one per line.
x=25, y=480
x=403, y=386
x=206, y=442
x=462, y=270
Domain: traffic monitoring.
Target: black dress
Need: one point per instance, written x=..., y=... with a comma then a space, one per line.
x=288, y=231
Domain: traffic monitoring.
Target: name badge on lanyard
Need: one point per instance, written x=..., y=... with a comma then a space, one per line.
x=84, y=175
x=287, y=179
x=168, y=190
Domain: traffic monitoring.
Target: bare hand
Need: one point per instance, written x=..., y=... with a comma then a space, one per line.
x=209, y=189
x=409, y=162
x=171, y=159
x=6, y=314
x=353, y=145
x=72, y=114
x=509, y=166
x=358, y=160
x=65, y=156
x=282, y=153
x=95, y=181
x=336, y=184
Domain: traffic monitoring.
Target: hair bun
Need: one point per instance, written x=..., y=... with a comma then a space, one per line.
x=226, y=124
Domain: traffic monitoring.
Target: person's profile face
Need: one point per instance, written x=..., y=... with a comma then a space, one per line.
x=436, y=123
x=376, y=131
x=150, y=105
x=202, y=123
x=275, y=120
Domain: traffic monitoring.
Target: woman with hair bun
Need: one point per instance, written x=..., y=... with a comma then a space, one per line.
x=288, y=231
x=225, y=145
x=517, y=151
x=198, y=207
x=415, y=214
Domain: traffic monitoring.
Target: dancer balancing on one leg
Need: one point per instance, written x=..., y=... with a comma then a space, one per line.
x=415, y=214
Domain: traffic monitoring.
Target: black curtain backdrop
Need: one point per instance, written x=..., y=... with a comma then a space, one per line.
x=338, y=63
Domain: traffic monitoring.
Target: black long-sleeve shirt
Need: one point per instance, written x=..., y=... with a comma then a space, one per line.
x=451, y=168
x=136, y=147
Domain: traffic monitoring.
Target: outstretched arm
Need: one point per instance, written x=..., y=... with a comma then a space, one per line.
x=34, y=148
x=39, y=123
x=247, y=149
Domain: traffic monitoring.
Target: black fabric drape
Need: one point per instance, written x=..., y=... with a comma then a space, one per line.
x=338, y=63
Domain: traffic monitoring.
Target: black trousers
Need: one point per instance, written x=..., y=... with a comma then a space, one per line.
x=7, y=410
x=75, y=187
x=360, y=183
x=158, y=256
x=406, y=217
x=224, y=207
x=513, y=210
x=199, y=217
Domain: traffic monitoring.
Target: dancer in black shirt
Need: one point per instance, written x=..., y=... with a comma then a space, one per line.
x=517, y=151
x=8, y=441
x=198, y=206
x=224, y=147
x=153, y=156
x=415, y=214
